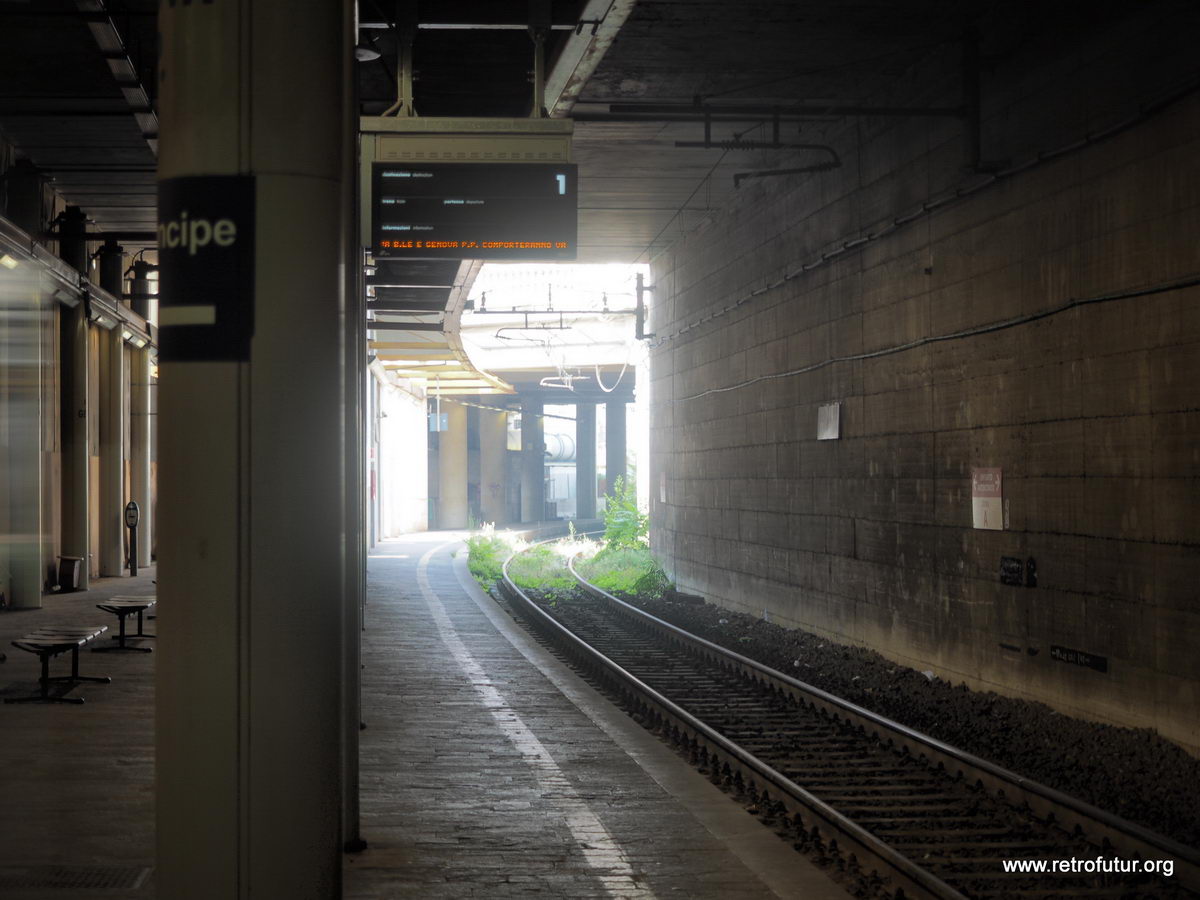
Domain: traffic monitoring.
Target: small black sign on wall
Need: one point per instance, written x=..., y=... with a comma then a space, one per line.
x=1012, y=570
x=1079, y=658
x=206, y=267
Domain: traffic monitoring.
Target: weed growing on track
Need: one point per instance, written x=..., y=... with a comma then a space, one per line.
x=543, y=568
x=622, y=563
x=486, y=552
x=625, y=525
x=627, y=570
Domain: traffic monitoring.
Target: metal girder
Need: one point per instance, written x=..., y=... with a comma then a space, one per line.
x=402, y=306
x=464, y=392
x=404, y=326
x=464, y=15
x=690, y=112
x=416, y=346
x=108, y=39
x=429, y=364
x=583, y=52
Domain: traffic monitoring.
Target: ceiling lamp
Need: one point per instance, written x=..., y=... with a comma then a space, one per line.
x=364, y=52
x=8, y=262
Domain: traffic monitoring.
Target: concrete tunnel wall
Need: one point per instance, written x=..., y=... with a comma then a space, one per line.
x=1091, y=413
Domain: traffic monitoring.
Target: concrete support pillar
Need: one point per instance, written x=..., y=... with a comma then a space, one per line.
x=493, y=465
x=533, y=462
x=614, y=453
x=112, y=452
x=140, y=424
x=585, y=460
x=452, y=468
x=76, y=523
x=250, y=697
x=354, y=518
x=22, y=371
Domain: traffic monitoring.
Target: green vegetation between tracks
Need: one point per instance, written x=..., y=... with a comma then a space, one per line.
x=625, y=570
x=622, y=563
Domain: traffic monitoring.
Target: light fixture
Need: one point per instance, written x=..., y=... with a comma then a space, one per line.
x=126, y=334
x=364, y=51
x=139, y=342
x=8, y=262
x=68, y=299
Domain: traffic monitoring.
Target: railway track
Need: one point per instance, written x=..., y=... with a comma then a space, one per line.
x=885, y=804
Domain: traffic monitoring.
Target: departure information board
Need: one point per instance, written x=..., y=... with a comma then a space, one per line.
x=445, y=210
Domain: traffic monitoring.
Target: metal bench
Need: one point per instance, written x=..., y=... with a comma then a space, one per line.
x=122, y=608
x=51, y=640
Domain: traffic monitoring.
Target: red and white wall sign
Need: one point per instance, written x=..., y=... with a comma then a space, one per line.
x=987, y=498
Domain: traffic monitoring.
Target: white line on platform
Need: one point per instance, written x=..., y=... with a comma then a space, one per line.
x=599, y=848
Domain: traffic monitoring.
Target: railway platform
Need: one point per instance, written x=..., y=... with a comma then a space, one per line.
x=489, y=769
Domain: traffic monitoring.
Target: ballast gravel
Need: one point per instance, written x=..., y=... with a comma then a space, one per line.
x=1132, y=773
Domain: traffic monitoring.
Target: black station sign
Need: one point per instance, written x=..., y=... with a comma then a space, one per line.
x=1079, y=658
x=510, y=211
x=206, y=267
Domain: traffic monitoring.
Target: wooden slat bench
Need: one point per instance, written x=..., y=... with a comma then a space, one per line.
x=51, y=640
x=123, y=607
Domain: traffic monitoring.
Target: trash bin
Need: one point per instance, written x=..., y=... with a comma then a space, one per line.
x=68, y=573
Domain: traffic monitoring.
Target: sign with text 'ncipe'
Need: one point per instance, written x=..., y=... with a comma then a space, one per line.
x=512, y=211
x=206, y=267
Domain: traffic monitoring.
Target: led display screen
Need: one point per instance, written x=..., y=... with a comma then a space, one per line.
x=510, y=211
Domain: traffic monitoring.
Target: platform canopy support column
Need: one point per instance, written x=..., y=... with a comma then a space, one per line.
x=76, y=449
x=585, y=460
x=140, y=423
x=250, y=664
x=614, y=444
x=452, y=468
x=23, y=371
x=533, y=461
x=112, y=453
x=493, y=466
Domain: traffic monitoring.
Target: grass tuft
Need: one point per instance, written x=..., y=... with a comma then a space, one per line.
x=627, y=570
x=486, y=552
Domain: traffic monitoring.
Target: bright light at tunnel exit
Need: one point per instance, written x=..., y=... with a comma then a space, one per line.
x=592, y=343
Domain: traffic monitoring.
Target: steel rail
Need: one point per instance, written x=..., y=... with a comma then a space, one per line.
x=805, y=809
x=1096, y=825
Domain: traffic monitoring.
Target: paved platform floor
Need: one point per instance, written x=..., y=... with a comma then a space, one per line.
x=490, y=770
x=77, y=782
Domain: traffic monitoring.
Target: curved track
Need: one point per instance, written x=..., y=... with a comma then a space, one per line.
x=878, y=799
